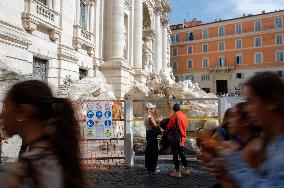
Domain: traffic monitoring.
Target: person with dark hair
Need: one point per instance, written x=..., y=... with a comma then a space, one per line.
x=265, y=106
x=240, y=124
x=178, y=148
x=50, y=154
x=222, y=134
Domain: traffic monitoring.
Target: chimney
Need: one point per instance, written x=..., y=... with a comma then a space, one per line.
x=263, y=12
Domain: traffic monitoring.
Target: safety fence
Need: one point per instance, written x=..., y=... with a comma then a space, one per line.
x=113, y=131
x=102, y=131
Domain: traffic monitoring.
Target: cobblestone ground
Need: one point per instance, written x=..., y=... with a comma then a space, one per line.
x=137, y=177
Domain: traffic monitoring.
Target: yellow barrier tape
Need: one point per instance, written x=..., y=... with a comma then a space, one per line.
x=190, y=119
x=205, y=119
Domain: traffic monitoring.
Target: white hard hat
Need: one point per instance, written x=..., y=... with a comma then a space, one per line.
x=150, y=105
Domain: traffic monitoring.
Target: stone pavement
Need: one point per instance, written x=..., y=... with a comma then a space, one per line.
x=137, y=177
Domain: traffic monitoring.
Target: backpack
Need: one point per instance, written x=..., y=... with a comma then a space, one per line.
x=173, y=135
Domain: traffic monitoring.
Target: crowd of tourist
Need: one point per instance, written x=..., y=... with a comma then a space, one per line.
x=246, y=150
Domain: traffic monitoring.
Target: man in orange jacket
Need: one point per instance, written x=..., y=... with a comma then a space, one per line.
x=178, y=149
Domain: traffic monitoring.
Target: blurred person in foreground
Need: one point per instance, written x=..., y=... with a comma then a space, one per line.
x=223, y=134
x=265, y=105
x=248, y=135
x=152, y=129
x=50, y=155
x=178, y=148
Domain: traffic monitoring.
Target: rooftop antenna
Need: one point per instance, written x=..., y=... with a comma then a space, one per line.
x=187, y=15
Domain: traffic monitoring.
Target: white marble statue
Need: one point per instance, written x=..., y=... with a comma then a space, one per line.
x=148, y=57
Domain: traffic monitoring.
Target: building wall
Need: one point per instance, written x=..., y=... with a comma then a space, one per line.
x=248, y=67
x=53, y=32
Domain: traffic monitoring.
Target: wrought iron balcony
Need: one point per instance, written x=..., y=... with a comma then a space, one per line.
x=83, y=39
x=225, y=68
x=38, y=14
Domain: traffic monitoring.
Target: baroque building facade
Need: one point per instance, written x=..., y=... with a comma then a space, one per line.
x=220, y=56
x=123, y=40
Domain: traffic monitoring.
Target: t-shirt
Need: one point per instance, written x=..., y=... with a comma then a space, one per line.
x=45, y=169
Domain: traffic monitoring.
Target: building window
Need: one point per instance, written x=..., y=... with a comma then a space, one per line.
x=258, y=57
x=189, y=50
x=39, y=67
x=189, y=36
x=84, y=14
x=221, y=61
x=279, y=39
x=221, y=31
x=189, y=64
x=238, y=43
x=189, y=77
x=257, y=26
x=205, y=48
x=278, y=23
x=280, y=73
x=205, y=62
x=175, y=65
x=175, y=51
x=280, y=56
x=205, y=77
x=43, y=2
x=207, y=90
x=257, y=41
x=221, y=46
x=176, y=78
x=239, y=59
x=239, y=76
x=175, y=38
x=82, y=73
x=238, y=28
x=204, y=34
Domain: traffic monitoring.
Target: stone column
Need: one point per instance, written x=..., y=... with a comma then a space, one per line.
x=50, y=4
x=56, y=5
x=158, y=42
x=77, y=20
x=117, y=30
x=137, y=39
x=128, y=134
x=165, y=23
x=92, y=18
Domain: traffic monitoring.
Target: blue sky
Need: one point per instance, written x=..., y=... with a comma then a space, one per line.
x=209, y=10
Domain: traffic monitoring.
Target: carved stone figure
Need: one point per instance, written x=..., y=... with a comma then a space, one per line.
x=125, y=42
x=148, y=57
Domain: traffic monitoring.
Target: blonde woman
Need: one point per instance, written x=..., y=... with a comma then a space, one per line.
x=151, y=126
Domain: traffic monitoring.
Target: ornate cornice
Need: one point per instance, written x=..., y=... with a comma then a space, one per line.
x=12, y=35
x=89, y=2
x=165, y=20
x=167, y=8
x=127, y=4
x=67, y=53
x=158, y=9
x=148, y=34
x=150, y=3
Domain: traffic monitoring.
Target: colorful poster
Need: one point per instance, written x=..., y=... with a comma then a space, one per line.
x=99, y=123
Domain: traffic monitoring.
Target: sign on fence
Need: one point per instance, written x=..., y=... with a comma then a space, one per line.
x=98, y=124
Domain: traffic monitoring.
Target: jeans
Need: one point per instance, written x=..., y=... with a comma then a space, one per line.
x=151, y=152
x=178, y=150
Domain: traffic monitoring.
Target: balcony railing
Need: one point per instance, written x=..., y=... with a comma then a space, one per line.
x=38, y=14
x=225, y=68
x=83, y=39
